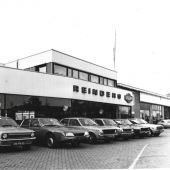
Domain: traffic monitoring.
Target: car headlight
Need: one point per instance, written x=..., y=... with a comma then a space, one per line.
x=32, y=134
x=120, y=130
x=86, y=134
x=100, y=131
x=69, y=134
x=152, y=128
x=4, y=136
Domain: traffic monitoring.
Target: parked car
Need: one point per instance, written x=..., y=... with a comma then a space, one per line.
x=165, y=123
x=138, y=130
x=96, y=132
x=50, y=131
x=125, y=132
x=11, y=134
x=155, y=130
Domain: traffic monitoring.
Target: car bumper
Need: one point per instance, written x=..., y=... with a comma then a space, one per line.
x=74, y=138
x=16, y=142
x=141, y=133
x=125, y=135
x=157, y=131
x=106, y=136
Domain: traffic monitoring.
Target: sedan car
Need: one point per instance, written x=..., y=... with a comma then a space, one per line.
x=51, y=132
x=155, y=130
x=11, y=134
x=138, y=130
x=96, y=132
x=165, y=123
x=125, y=132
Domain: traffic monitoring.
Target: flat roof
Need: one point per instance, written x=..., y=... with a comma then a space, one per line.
x=141, y=90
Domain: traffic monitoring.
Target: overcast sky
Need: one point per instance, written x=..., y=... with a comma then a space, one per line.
x=86, y=29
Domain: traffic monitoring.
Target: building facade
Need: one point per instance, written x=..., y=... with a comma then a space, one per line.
x=54, y=84
x=148, y=105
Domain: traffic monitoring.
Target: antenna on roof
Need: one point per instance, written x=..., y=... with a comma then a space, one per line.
x=114, y=51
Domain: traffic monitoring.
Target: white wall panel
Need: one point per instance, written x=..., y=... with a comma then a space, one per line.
x=144, y=97
x=15, y=81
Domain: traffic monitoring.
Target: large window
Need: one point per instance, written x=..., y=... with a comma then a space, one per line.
x=101, y=80
x=60, y=70
x=94, y=79
x=111, y=83
x=83, y=76
x=75, y=74
x=70, y=74
x=105, y=82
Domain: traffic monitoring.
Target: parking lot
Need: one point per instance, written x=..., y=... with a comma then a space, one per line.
x=150, y=152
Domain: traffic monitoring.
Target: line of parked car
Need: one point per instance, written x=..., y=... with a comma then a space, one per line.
x=50, y=132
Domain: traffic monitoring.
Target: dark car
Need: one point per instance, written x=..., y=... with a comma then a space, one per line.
x=155, y=130
x=11, y=134
x=96, y=132
x=138, y=130
x=125, y=131
x=51, y=132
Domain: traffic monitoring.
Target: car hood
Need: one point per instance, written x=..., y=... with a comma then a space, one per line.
x=64, y=129
x=125, y=126
x=15, y=130
x=100, y=127
x=139, y=126
x=151, y=125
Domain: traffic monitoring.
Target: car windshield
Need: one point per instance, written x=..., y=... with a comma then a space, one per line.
x=5, y=122
x=138, y=121
x=124, y=122
x=109, y=122
x=87, y=122
x=49, y=122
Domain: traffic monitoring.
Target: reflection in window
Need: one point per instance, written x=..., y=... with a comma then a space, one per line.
x=101, y=80
x=69, y=72
x=83, y=76
x=60, y=70
x=111, y=83
x=105, y=81
x=94, y=79
x=75, y=74
x=43, y=69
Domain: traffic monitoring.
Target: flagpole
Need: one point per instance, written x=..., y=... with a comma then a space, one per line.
x=114, y=52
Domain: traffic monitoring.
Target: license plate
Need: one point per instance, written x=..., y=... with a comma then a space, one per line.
x=18, y=143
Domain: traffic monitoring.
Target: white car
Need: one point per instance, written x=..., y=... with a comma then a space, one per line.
x=155, y=130
x=165, y=123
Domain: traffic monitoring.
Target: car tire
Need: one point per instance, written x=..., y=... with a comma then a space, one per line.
x=50, y=141
x=26, y=147
x=92, y=138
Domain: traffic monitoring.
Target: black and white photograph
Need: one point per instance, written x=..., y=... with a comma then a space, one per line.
x=84, y=84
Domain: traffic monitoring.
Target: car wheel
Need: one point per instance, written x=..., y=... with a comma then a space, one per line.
x=50, y=141
x=92, y=138
x=26, y=147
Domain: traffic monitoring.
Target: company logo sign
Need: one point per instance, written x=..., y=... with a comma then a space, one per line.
x=128, y=98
